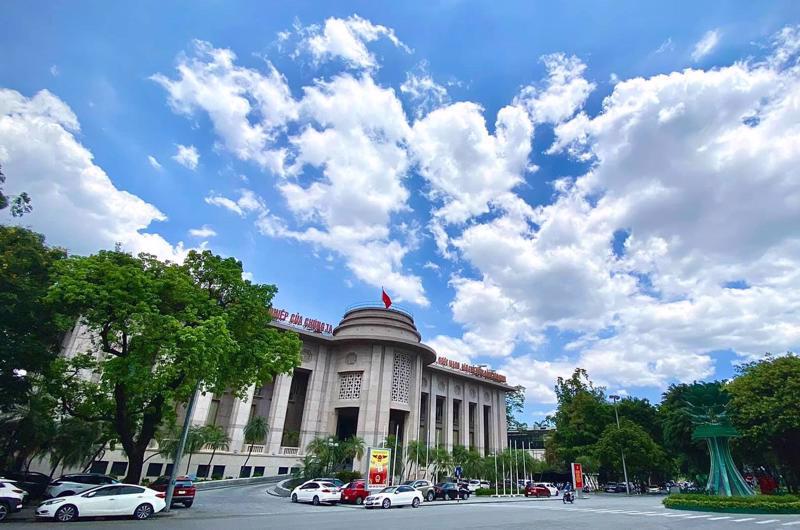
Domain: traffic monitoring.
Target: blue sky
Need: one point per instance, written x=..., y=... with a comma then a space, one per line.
x=606, y=185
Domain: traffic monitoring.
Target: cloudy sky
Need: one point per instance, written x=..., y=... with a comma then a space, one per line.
x=611, y=186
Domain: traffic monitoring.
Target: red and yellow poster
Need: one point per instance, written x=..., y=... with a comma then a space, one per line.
x=577, y=476
x=379, y=460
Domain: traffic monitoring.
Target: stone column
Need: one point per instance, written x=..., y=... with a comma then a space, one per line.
x=312, y=410
x=201, y=407
x=240, y=414
x=479, y=422
x=375, y=396
x=503, y=423
x=414, y=393
x=464, y=419
x=277, y=412
x=448, y=415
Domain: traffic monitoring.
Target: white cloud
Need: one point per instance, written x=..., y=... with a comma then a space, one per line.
x=187, y=156
x=248, y=202
x=431, y=265
x=346, y=39
x=75, y=203
x=424, y=93
x=154, y=163
x=202, y=232
x=247, y=108
x=666, y=46
x=700, y=168
x=706, y=44
x=564, y=93
x=54, y=71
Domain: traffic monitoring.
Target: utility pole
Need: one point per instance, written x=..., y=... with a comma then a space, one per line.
x=187, y=421
x=624, y=469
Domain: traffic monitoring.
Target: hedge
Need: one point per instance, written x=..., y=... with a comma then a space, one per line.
x=483, y=492
x=753, y=504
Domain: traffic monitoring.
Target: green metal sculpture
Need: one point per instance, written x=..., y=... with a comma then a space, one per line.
x=712, y=425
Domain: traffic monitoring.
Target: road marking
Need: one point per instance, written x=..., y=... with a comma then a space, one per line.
x=791, y=524
x=768, y=521
x=743, y=520
x=720, y=518
x=697, y=516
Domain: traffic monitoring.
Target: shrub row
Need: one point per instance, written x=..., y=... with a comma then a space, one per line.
x=753, y=504
x=483, y=492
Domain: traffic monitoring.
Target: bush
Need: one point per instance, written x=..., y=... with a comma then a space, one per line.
x=483, y=492
x=349, y=476
x=753, y=504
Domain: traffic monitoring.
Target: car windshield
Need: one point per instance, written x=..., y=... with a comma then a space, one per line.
x=390, y=489
x=407, y=483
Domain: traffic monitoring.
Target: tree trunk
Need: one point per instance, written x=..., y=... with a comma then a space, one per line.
x=55, y=466
x=94, y=457
x=213, y=452
x=135, y=465
x=189, y=463
x=246, y=459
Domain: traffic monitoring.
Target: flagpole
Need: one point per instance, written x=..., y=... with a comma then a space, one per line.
x=496, y=491
x=504, y=476
x=516, y=466
x=524, y=471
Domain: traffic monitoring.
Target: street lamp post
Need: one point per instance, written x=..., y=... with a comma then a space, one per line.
x=331, y=443
x=624, y=469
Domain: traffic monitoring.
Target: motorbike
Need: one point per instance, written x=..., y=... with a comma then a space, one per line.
x=568, y=497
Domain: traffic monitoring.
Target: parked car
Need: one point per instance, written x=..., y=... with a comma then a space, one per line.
x=115, y=499
x=449, y=491
x=355, y=492
x=184, y=492
x=485, y=484
x=423, y=486
x=10, y=499
x=655, y=489
x=315, y=492
x=34, y=483
x=71, y=484
x=474, y=485
x=16, y=487
x=394, y=496
x=335, y=481
x=535, y=490
x=550, y=487
x=616, y=487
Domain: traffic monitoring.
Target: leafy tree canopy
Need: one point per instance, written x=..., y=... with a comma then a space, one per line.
x=515, y=404
x=643, y=457
x=161, y=328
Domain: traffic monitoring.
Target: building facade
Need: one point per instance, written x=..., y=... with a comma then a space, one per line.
x=371, y=376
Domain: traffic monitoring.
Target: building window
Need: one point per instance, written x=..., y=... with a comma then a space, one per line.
x=99, y=466
x=218, y=472
x=439, y=410
x=168, y=469
x=244, y=471
x=154, y=469
x=258, y=471
x=283, y=470
x=258, y=392
x=202, y=470
x=350, y=385
x=118, y=468
x=213, y=410
x=401, y=377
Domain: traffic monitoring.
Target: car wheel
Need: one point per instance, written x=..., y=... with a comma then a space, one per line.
x=431, y=496
x=143, y=511
x=66, y=514
x=188, y=504
x=294, y=497
x=386, y=503
x=359, y=500
x=415, y=503
x=315, y=501
x=65, y=494
x=3, y=511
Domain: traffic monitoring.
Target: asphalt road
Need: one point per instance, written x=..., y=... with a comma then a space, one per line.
x=249, y=507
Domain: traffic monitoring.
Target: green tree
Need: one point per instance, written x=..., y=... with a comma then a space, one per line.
x=645, y=460
x=765, y=407
x=161, y=328
x=75, y=441
x=217, y=440
x=676, y=424
x=30, y=334
x=582, y=414
x=515, y=404
x=255, y=432
x=195, y=440
x=415, y=453
x=27, y=430
x=20, y=204
x=442, y=462
x=644, y=414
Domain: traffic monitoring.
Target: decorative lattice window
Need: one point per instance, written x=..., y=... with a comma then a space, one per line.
x=350, y=385
x=401, y=377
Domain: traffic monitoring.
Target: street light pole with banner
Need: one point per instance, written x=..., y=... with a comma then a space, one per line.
x=378, y=459
x=577, y=478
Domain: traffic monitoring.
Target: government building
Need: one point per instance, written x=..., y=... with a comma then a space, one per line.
x=369, y=376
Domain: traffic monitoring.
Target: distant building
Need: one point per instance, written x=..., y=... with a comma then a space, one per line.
x=370, y=376
x=531, y=440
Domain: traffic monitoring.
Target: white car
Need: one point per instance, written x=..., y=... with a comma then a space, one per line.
x=316, y=492
x=115, y=499
x=550, y=486
x=394, y=496
x=72, y=484
x=474, y=485
x=485, y=484
x=10, y=499
x=15, y=487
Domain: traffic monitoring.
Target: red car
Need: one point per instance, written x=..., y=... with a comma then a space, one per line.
x=536, y=491
x=184, y=489
x=355, y=492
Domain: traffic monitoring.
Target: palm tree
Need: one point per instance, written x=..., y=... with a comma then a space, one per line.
x=415, y=451
x=442, y=461
x=351, y=449
x=75, y=440
x=215, y=439
x=255, y=432
x=194, y=442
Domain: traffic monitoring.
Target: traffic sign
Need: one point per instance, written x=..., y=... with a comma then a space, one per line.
x=459, y=471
